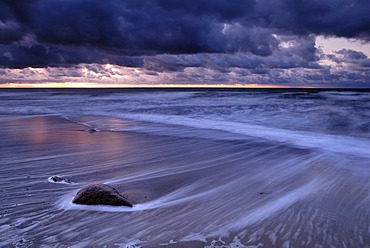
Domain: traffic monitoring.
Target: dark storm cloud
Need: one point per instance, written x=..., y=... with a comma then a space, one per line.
x=340, y=18
x=136, y=26
x=9, y=32
x=37, y=55
x=351, y=54
x=130, y=28
x=123, y=32
x=295, y=53
x=349, y=59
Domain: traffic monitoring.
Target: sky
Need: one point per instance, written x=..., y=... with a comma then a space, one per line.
x=238, y=43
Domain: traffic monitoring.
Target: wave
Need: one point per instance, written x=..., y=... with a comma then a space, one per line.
x=303, y=139
x=346, y=95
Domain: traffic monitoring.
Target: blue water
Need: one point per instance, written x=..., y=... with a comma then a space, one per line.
x=226, y=168
x=337, y=121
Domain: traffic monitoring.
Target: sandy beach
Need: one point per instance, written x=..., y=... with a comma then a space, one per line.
x=187, y=192
x=203, y=169
x=184, y=124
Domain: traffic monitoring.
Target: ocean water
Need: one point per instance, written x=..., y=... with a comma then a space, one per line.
x=216, y=168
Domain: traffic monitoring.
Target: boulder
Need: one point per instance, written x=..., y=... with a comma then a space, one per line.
x=100, y=194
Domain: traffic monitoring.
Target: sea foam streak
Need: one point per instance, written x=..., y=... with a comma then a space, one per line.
x=174, y=198
x=328, y=142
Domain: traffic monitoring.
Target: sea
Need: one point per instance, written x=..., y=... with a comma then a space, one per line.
x=203, y=167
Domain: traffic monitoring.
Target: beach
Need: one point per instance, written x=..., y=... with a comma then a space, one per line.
x=190, y=186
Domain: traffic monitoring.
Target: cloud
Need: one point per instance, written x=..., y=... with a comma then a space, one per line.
x=9, y=31
x=41, y=55
x=176, y=27
x=339, y=18
x=325, y=76
x=262, y=40
x=288, y=52
x=351, y=54
x=347, y=59
x=135, y=27
x=9, y=56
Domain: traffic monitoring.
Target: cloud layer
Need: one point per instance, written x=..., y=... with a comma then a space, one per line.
x=265, y=38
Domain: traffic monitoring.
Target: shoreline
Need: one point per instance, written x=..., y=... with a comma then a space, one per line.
x=206, y=191
x=58, y=134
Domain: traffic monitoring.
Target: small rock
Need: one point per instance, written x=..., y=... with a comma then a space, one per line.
x=100, y=194
x=58, y=179
x=92, y=130
x=264, y=193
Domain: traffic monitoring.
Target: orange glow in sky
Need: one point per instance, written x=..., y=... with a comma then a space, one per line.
x=104, y=85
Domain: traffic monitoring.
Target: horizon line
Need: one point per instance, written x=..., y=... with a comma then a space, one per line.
x=80, y=85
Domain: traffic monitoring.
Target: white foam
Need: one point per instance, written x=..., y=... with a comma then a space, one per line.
x=194, y=237
x=332, y=143
x=346, y=95
x=62, y=181
x=130, y=243
x=270, y=208
x=184, y=194
x=159, y=95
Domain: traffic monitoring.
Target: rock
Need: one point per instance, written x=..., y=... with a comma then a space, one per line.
x=100, y=194
x=58, y=179
x=92, y=130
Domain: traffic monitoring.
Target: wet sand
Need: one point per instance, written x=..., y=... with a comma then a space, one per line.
x=187, y=192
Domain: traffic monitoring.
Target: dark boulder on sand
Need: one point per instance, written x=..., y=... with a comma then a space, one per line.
x=100, y=194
